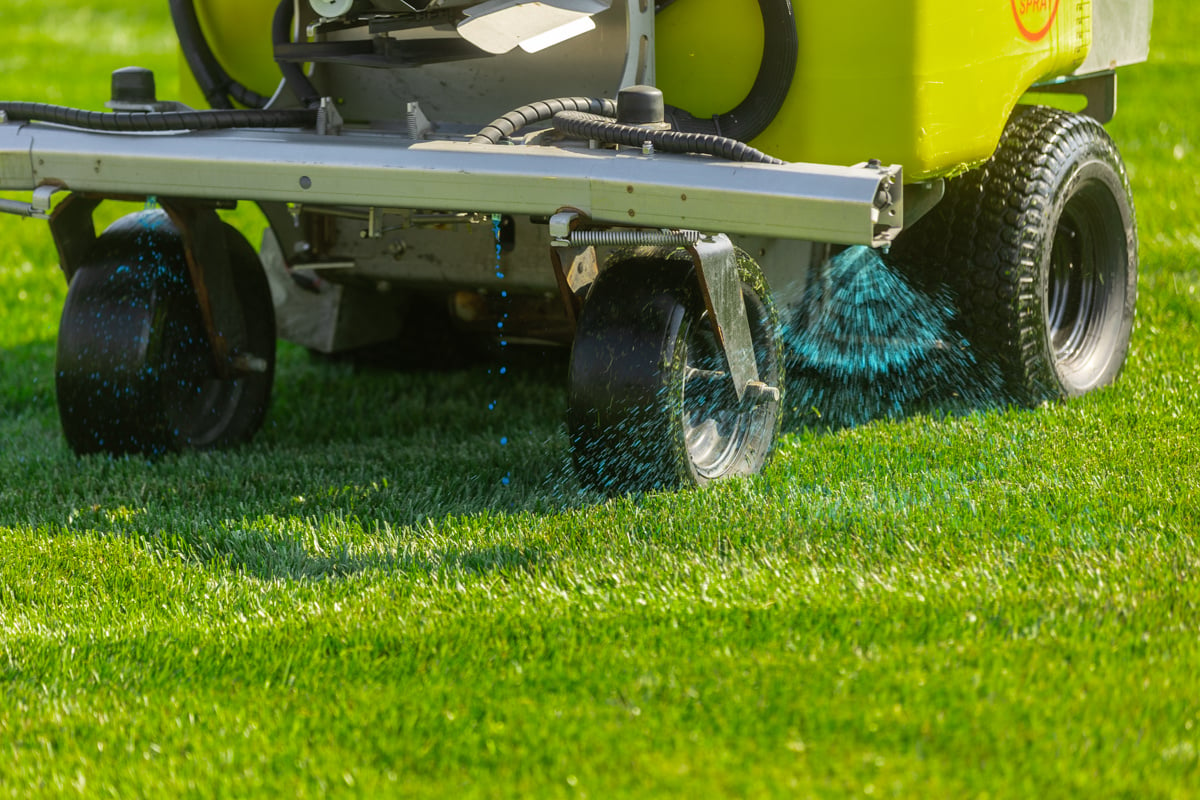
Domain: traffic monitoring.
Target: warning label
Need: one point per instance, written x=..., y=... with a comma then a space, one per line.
x=1034, y=17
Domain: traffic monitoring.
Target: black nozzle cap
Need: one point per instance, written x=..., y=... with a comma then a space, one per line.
x=640, y=105
x=133, y=85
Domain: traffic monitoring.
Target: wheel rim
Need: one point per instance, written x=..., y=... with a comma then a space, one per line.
x=716, y=425
x=1087, y=271
x=713, y=429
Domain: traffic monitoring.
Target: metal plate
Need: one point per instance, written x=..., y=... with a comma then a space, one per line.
x=1120, y=34
x=716, y=266
x=795, y=201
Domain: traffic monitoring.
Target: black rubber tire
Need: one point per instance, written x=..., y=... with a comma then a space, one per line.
x=135, y=371
x=640, y=416
x=1039, y=247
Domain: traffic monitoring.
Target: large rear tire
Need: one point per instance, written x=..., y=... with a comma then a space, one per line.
x=1039, y=246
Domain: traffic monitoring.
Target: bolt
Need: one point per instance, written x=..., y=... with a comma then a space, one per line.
x=246, y=364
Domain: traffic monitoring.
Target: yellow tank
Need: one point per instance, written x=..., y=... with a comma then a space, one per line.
x=239, y=33
x=927, y=84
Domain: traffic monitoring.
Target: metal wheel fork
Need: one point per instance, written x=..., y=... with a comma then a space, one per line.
x=209, y=269
x=715, y=259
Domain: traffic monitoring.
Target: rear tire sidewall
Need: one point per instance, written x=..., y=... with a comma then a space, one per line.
x=1091, y=195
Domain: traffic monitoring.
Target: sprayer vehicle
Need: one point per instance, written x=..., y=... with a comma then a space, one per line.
x=652, y=185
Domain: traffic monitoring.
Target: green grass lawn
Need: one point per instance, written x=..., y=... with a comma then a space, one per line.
x=999, y=604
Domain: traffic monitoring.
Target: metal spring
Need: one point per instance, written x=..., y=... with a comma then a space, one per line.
x=633, y=238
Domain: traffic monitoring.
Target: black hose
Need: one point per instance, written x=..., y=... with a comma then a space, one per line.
x=293, y=74
x=211, y=77
x=540, y=111
x=247, y=96
x=591, y=126
x=149, y=122
x=752, y=116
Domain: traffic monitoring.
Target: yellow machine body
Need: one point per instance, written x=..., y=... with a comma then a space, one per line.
x=927, y=84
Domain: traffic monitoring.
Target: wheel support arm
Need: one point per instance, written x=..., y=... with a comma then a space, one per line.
x=716, y=267
x=212, y=279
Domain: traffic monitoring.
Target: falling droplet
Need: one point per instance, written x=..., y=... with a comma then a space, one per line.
x=497, y=223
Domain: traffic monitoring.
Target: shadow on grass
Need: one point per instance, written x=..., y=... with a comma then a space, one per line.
x=356, y=470
x=26, y=380
x=276, y=556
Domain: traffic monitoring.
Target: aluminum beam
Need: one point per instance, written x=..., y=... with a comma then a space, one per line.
x=846, y=205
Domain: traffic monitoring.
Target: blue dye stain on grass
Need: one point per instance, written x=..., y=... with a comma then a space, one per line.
x=867, y=344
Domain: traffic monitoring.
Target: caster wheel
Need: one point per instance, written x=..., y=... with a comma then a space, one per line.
x=1039, y=247
x=135, y=371
x=650, y=401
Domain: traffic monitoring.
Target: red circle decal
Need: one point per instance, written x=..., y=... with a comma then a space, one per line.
x=1034, y=17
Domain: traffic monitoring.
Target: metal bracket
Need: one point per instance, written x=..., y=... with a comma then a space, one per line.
x=888, y=203
x=38, y=209
x=573, y=281
x=920, y=198
x=212, y=278
x=329, y=120
x=639, y=44
x=562, y=226
x=1099, y=88
x=41, y=199
x=418, y=123
x=716, y=267
x=74, y=231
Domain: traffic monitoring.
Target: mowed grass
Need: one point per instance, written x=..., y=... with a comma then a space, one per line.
x=999, y=604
